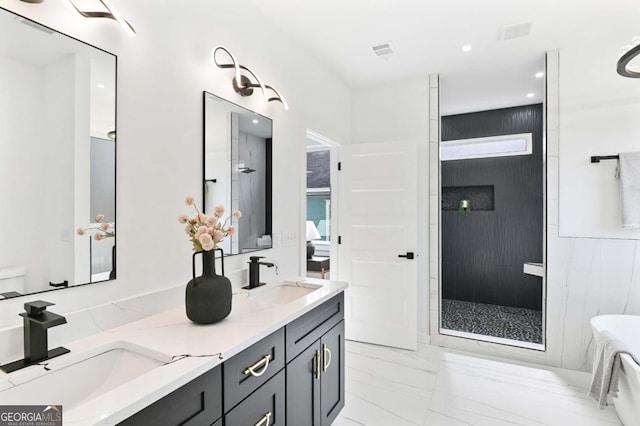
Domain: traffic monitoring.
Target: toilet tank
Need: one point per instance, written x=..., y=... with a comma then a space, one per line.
x=12, y=278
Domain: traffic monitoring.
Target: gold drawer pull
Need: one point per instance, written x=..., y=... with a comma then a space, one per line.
x=317, y=362
x=252, y=370
x=327, y=359
x=265, y=421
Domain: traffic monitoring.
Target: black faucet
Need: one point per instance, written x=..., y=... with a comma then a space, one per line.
x=254, y=271
x=36, y=347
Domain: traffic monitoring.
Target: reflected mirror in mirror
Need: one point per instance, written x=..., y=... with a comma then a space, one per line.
x=237, y=171
x=57, y=159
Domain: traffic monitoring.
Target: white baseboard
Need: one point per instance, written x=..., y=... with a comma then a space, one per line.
x=424, y=339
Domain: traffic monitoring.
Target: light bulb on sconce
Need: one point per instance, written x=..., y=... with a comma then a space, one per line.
x=242, y=83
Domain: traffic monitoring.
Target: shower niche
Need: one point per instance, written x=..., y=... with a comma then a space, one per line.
x=479, y=198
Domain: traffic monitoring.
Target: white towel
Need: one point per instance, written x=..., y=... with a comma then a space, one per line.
x=629, y=174
x=606, y=368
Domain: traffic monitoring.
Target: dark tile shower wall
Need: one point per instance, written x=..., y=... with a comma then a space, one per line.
x=483, y=252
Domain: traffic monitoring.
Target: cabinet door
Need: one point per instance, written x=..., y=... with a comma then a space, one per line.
x=303, y=388
x=264, y=407
x=247, y=371
x=332, y=383
x=198, y=403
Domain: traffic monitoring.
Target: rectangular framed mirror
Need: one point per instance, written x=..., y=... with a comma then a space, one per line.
x=57, y=159
x=237, y=171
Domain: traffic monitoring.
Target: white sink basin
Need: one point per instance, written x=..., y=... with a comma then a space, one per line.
x=76, y=378
x=284, y=292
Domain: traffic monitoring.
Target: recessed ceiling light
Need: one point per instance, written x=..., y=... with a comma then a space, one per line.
x=255, y=121
x=100, y=86
x=466, y=48
x=539, y=74
x=530, y=95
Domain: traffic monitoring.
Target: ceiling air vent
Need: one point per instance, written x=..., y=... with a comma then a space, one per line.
x=36, y=26
x=384, y=50
x=510, y=32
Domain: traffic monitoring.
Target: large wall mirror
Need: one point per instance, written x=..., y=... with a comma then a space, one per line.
x=237, y=171
x=57, y=159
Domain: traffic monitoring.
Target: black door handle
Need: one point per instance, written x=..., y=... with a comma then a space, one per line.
x=409, y=255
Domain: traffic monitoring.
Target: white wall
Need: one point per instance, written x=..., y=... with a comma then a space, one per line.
x=593, y=266
x=44, y=151
x=599, y=115
x=399, y=111
x=161, y=75
x=21, y=134
x=217, y=160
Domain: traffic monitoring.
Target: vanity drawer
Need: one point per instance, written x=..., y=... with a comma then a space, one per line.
x=198, y=403
x=302, y=332
x=266, y=406
x=248, y=370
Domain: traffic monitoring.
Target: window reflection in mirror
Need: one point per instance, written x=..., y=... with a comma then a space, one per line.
x=237, y=171
x=57, y=158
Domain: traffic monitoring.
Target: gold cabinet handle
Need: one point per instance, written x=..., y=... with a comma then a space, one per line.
x=265, y=420
x=317, y=362
x=327, y=357
x=252, y=370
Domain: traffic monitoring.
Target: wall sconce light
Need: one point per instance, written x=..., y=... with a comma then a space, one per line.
x=242, y=84
x=110, y=13
x=629, y=63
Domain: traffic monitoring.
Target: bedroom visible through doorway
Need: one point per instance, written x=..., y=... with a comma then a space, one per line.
x=321, y=160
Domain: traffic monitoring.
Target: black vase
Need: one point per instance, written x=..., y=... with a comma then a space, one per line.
x=208, y=297
x=112, y=274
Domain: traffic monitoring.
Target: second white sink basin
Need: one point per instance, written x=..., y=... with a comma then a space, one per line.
x=76, y=378
x=285, y=292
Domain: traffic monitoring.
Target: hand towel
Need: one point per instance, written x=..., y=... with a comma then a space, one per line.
x=629, y=174
x=606, y=368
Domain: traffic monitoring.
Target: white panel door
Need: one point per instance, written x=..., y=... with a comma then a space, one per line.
x=379, y=220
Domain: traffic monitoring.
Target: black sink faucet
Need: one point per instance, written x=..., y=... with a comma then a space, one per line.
x=254, y=271
x=37, y=320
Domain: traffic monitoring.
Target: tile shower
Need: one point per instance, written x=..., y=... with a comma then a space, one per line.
x=484, y=248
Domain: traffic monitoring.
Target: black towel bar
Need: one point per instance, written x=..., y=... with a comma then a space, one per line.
x=596, y=159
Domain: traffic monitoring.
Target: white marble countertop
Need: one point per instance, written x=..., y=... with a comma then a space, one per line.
x=171, y=333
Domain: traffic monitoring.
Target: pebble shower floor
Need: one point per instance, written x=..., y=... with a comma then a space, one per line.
x=505, y=322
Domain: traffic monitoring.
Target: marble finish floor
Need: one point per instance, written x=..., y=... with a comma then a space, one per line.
x=437, y=387
x=505, y=322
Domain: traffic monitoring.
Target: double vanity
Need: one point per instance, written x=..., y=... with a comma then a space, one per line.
x=277, y=359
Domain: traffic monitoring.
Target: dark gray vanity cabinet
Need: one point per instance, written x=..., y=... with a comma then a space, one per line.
x=294, y=377
x=315, y=376
x=198, y=403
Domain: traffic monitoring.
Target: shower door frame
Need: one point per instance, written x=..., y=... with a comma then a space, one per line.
x=469, y=341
